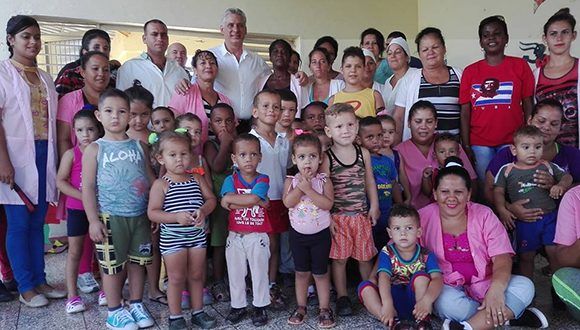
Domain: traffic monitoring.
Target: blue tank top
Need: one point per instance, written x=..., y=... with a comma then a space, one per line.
x=122, y=183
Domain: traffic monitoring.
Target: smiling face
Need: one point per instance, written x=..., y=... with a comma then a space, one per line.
x=559, y=37
x=397, y=58
x=206, y=68
x=96, y=73
x=178, y=53
x=268, y=111
x=307, y=159
x=493, y=39
x=175, y=156
x=452, y=195
x=527, y=149
x=26, y=44
x=371, y=137
x=404, y=231
x=234, y=29
x=156, y=38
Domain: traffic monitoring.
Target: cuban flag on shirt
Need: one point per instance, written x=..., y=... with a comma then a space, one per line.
x=492, y=94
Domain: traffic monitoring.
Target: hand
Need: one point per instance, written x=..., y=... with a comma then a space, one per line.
x=507, y=218
x=154, y=227
x=302, y=78
x=525, y=214
x=544, y=179
x=225, y=138
x=422, y=309
x=494, y=305
x=264, y=203
x=374, y=215
x=199, y=218
x=388, y=314
x=427, y=172
x=304, y=185
x=97, y=231
x=182, y=86
x=185, y=218
x=556, y=191
x=7, y=172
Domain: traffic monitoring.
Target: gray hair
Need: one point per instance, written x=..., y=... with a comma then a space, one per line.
x=233, y=11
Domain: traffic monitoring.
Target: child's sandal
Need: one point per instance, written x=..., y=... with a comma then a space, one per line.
x=326, y=319
x=297, y=317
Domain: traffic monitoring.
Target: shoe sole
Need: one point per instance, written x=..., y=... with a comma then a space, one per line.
x=540, y=316
x=89, y=290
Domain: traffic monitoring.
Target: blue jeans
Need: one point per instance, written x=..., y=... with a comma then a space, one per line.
x=483, y=156
x=454, y=304
x=25, y=236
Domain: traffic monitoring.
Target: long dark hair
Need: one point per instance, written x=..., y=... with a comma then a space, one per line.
x=17, y=24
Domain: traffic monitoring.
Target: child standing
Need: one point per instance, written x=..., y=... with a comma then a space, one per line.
x=245, y=195
x=365, y=101
x=370, y=133
x=180, y=202
x=409, y=279
x=140, y=112
x=389, y=133
x=275, y=149
x=356, y=207
x=517, y=179
x=68, y=181
x=445, y=145
x=116, y=179
x=162, y=119
x=289, y=107
x=309, y=197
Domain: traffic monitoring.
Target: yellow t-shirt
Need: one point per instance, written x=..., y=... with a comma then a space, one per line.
x=362, y=101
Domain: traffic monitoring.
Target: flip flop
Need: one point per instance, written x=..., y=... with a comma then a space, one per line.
x=160, y=299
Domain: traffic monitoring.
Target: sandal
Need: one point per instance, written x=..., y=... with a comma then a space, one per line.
x=297, y=317
x=326, y=319
x=160, y=299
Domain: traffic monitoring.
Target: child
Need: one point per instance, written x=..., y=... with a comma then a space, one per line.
x=370, y=133
x=217, y=152
x=275, y=155
x=365, y=101
x=409, y=279
x=245, y=193
x=118, y=168
x=445, y=145
x=141, y=105
x=289, y=107
x=180, y=202
x=192, y=124
x=325, y=141
x=356, y=206
x=309, y=197
x=68, y=180
x=517, y=179
x=162, y=119
x=313, y=116
x=389, y=132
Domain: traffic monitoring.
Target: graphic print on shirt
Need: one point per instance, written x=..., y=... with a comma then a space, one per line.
x=249, y=216
x=492, y=92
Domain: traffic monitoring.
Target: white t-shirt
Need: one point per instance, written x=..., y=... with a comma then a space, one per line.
x=274, y=162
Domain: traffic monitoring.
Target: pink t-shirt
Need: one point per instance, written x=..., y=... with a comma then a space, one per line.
x=68, y=106
x=568, y=224
x=75, y=179
x=307, y=218
x=458, y=253
x=416, y=162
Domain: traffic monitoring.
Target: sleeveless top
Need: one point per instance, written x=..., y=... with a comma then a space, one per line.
x=445, y=98
x=305, y=217
x=75, y=179
x=182, y=197
x=122, y=183
x=362, y=101
x=349, y=184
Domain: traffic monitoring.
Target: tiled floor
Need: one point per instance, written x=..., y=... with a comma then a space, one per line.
x=13, y=315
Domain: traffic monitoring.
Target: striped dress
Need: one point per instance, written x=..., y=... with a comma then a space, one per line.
x=181, y=197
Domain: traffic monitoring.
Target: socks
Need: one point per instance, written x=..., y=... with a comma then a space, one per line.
x=111, y=311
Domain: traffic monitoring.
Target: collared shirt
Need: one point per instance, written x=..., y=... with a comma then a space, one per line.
x=239, y=80
x=160, y=83
x=274, y=162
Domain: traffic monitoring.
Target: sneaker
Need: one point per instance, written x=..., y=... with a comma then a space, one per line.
x=75, y=305
x=121, y=319
x=102, y=298
x=259, y=317
x=343, y=306
x=141, y=316
x=207, y=297
x=220, y=291
x=312, y=298
x=276, y=298
x=236, y=315
x=5, y=294
x=185, y=300
x=532, y=317
x=203, y=320
x=177, y=324
x=87, y=284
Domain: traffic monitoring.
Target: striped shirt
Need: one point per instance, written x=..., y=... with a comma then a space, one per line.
x=445, y=98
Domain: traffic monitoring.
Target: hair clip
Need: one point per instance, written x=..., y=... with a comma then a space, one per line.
x=153, y=138
x=453, y=164
x=181, y=130
x=299, y=131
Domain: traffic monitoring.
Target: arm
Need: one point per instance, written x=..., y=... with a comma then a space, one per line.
x=323, y=201
x=232, y=201
x=6, y=168
x=371, y=188
x=404, y=180
x=210, y=201
x=426, y=181
x=63, y=137
x=397, y=192
x=528, y=105
x=388, y=312
x=398, y=116
x=465, y=128
x=379, y=103
x=218, y=159
x=559, y=189
x=97, y=229
x=506, y=217
x=207, y=175
x=155, y=207
x=424, y=305
x=148, y=168
x=63, y=176
x=488, y=187
x=291, y=195
x=494, y=300
x=568, y=256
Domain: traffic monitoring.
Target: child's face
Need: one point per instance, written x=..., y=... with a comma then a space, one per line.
x=162, y=121
x=222, y=120
x=404, y=231
x=314, y=118
x=113, y=113
x=528, y=149
x=388, y=133
x=288, y=113
x=86, y=131
x=353, y=70
x=268, y=111
x=444, y=149
x=307, y=159
x=140, y=115
x=246, y=156
x=371, y=137
x=325, y=141
x=175, y=155
x=193, y=129
x=342, y=128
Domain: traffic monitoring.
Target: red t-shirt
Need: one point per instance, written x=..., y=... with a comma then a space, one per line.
x=496, y=94
x=250, y=219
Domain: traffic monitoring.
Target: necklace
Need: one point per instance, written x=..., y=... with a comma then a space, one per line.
x=21, y=67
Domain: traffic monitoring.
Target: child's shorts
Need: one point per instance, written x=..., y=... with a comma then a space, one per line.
x=278, y=215
x=219, y=226
x=310, y=252
x=175, y=237
x=128, y=239
x=77, y=223
x=353, y=238
x=530, y=236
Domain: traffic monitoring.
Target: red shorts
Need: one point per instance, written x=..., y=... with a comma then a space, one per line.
x=278, y=216
x=353, y=238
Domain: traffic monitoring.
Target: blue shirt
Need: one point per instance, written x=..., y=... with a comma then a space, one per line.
x=385, y=174
x=400, y=270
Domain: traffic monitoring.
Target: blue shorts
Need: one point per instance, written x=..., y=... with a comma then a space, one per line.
x=530, y=236
x=77, y=223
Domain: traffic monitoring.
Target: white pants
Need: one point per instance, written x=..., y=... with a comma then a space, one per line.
x=251, y=249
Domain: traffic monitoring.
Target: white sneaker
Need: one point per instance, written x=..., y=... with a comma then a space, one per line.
x=141, y=316
x=102, y=298
x=86, y=283
x=121, y=320
x=75, y=305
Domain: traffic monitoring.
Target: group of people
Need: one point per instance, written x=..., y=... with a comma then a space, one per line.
x=430, y=177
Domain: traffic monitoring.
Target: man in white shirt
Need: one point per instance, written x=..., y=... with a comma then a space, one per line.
x=152, y=69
